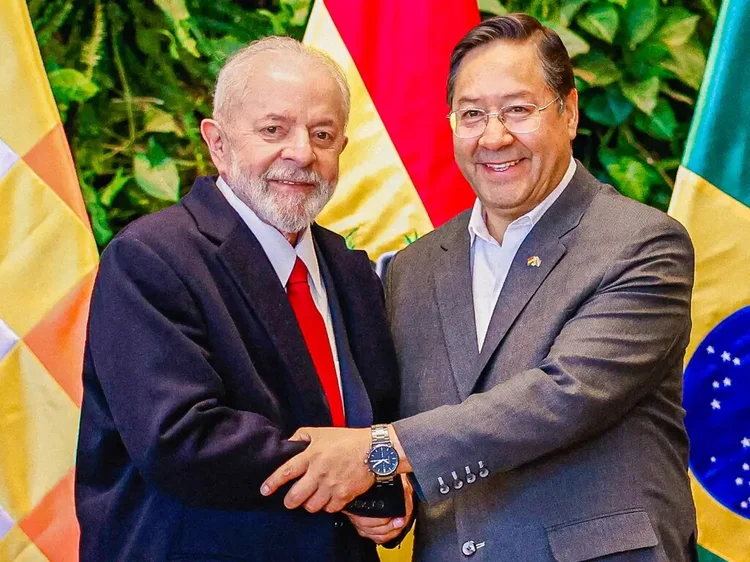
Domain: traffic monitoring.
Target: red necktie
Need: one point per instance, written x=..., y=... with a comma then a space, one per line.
x=316, y=337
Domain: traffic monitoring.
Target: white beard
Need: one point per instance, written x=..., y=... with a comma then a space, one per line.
x=287, y=212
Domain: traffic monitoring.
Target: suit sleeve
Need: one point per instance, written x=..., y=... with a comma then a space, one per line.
x=148, y=347
x=616, y=349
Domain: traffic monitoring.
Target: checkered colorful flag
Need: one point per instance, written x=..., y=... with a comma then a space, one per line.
x=48, y=260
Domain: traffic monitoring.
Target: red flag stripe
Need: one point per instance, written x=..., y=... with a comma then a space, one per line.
x=402, y=52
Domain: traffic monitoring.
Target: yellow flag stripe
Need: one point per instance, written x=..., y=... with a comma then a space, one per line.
x=717, y=522
x=376, y=204
x=722, y=262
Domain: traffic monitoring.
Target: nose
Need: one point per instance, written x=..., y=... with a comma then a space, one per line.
x=495, y=135
x=299, y=150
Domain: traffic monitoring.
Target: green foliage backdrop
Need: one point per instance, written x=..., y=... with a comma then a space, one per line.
x=133, y=79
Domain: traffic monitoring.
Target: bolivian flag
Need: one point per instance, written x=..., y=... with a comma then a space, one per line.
x=398, y=176
x=47, y=264
x=712, y=199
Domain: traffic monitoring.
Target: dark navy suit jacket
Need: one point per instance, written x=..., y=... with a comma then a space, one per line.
x=196, y=373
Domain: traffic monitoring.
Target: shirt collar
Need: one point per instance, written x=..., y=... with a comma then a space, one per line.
x=277, y=248
x=478, y=226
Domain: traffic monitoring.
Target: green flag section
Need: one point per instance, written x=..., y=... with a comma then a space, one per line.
x=712, y=200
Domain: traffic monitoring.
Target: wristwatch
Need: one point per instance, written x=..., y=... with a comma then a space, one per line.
x=382, y=458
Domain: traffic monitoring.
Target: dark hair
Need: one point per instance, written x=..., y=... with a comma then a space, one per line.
x=557, y=69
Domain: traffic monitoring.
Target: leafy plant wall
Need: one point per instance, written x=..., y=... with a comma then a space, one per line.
x=133, y=79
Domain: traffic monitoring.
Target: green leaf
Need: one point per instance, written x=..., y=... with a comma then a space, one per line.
x=113, y=188
x=679, y=26
x=688, y=62
x=178, y=14
x=69, y=85
x=278, y=26
x=349, y=239
x=411, y=238
x=155, y=154
x=492, y=7
x=569, y=9
x=158, y=121
x=99, y=219
x=661, y=124
x=630, y=175
x=601, y=21
x=643, y=63
x=160, y=181
x=573, y=42
x=643, y=94
x=596, y=69
x=609, y=108
x=300, y=9
x=640, y=20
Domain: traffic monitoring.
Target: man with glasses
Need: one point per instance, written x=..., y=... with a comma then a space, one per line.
x=540, y=338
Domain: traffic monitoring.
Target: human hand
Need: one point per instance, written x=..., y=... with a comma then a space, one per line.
x=332, y=469
x=384, y=529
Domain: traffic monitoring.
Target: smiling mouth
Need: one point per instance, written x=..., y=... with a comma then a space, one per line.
x=502, y=167
x=292, y=183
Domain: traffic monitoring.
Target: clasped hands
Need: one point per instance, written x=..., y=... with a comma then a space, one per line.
x=332, y=472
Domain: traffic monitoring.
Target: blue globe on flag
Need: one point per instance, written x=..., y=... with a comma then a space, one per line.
x=717, y=401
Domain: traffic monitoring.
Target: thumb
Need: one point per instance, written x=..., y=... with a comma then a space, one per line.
x=302, y=434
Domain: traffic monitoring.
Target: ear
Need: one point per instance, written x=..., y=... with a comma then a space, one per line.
x=571, y=113
x=218, y=145
x=343, y=145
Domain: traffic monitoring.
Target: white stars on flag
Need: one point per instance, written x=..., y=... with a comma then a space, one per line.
x=746, y=466
x=727, y=381
x=743, y=505
x=739, y=481
x=745, y=443
x=713, y=459
x=716, y=384
x=726, y=356
x=716, y=405
x=710, y=349
x=736, y=361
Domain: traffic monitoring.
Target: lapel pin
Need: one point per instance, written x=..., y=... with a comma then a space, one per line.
x=534, y=261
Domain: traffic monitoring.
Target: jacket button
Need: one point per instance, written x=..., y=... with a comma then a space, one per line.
x=469, y=548
x=457, y=482
x=444, y=489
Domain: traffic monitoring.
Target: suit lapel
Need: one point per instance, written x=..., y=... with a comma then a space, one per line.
x=456, y=304
x=523, y=280
x=357, y=405
x=252, y=272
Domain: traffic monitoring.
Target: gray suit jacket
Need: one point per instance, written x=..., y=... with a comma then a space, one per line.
x=563, y=439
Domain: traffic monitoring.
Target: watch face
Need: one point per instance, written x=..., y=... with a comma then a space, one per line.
x=383, y=460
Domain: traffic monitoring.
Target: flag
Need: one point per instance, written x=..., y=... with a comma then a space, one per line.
x=48, y=260
x=398, y=177
x=712, y=199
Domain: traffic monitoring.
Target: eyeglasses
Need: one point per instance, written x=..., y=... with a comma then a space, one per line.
x=518, y=118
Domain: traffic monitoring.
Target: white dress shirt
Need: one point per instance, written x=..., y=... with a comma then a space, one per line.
x=282, y=256
x=491, y=261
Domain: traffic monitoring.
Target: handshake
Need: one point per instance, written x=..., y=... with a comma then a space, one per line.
x=360, y=472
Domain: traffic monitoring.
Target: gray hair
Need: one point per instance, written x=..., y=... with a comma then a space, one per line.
x=232, y=79
x=557, y=69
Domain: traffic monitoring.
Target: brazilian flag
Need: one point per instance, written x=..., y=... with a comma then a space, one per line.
x=712, y=200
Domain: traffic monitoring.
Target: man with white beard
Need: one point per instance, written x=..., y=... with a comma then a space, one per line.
x=221, y=325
